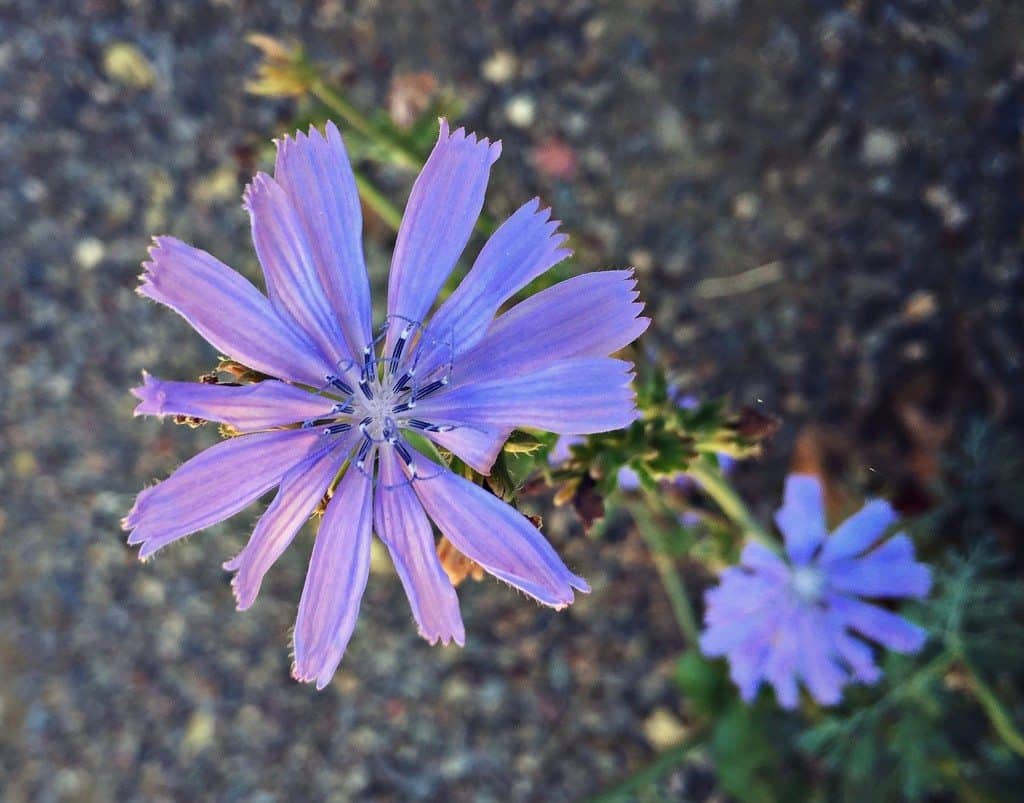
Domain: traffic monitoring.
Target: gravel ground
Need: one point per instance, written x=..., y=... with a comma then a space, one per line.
x=824, y=201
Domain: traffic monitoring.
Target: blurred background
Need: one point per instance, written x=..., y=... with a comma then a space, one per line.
x=824, y=203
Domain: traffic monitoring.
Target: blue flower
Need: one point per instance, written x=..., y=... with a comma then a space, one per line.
x=802, y=617
x=348, y=410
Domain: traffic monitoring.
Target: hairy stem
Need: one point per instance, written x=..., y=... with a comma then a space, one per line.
x=400, y=153
x=654, y=535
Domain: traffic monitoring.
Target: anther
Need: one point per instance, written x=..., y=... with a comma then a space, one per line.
x=396, y=353
x=364, y=450
x=339, y=384
x=416, y=423
x=433, y=387
x=336, y=429
x=343, y=408
x=403, y=407
x=403, y=383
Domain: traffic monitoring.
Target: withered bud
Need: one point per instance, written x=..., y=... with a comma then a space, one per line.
x=283, y=72
x=754, y=424
x=191, y=421
x=588, y=502
x=456, y=565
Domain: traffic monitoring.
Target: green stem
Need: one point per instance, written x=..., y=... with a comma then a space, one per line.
x=997, y=714
x=377, y=201
x=652, y=533
x=664, y=763
x=401, y=154
x=706, y=472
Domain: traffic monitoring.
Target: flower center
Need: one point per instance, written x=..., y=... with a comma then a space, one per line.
x=808, y=583
x=379, y=396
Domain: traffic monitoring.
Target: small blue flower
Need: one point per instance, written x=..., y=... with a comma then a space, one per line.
x=802, y=617
x=346, y=407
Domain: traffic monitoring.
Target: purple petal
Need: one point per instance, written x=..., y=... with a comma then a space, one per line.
x=859, y=532
x=781, y=667
x=247, y=408
x=574, y=397
x=888, y=571
x=857, y=656
x=443, y=208
x=288, y=267
x=233, y=316
x=525, y=246
x=215, y=484
x=761, y=559
x=403, y=527
x=891, y=631
x=301, y=491
x=592, y=315
x=315, y=173
x=335, y=582
x=802, y=516
x=478, y=447
x=495, y=535
x=824, y=678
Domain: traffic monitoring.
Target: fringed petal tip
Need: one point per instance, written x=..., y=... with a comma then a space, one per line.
x=150, y=395
x=460, y=136
x=445, y=639
x=260, y=183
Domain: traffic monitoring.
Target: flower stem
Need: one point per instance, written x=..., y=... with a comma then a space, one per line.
x=706, y=472
x=400, y=153
x=997, y=714
x=654, y=535
x=651, y=773
x=377, y=201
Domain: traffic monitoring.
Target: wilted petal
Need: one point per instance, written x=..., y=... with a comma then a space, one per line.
x=495, y=535
x=443, y=208
x=891, y=631
x=215, y=484
x=575, y=397
x=284, y=252
x=335, y=582
x=229, y=312
x=888, y=571
x=524, y=246
x=802, y=516
x=315, y=173
x=247, y=408
x=301, y=491
x=592, y=315
x=859, y=532
x=403, y=527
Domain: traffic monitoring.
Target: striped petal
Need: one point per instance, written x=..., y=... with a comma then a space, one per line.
x=301, y=491
x=571, y=397
x=592, y=315
x=247, y=408
x=403, y=527
x=335, y=582
x=286, y=256
x=495, y=535
x=215, y=484
x=443, y=208
x=525, y=246
x=315, y=173
x=231, y=314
